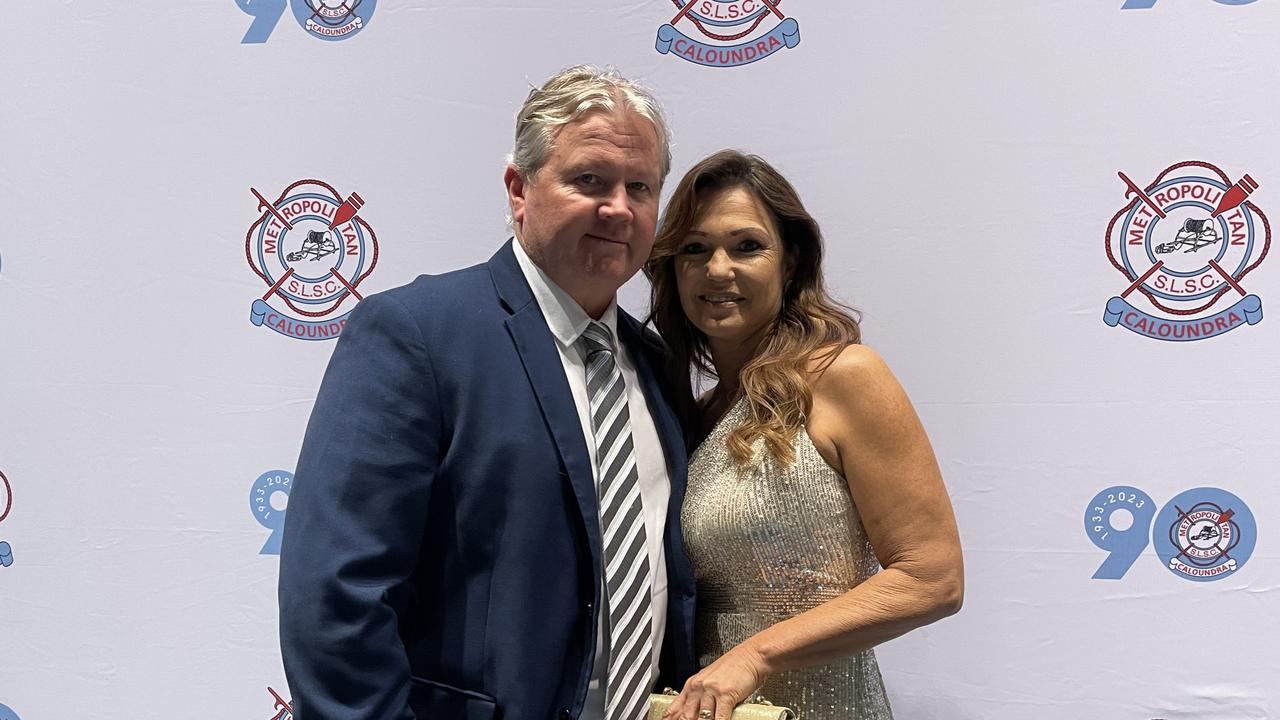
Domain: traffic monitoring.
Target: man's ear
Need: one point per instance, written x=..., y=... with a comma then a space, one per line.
x=515, y=193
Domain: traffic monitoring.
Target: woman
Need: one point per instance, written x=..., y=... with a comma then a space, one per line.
x=812, y=465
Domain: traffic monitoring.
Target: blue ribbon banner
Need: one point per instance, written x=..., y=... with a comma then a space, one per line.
x=671, y=40
x=1248, y=311
x=264, y=315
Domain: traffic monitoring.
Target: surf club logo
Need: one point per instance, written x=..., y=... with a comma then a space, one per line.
x=1186, y=243
x=6, y=504
x=1202, y=534
x=1205, y=534
x=283, y=709
x=729, y=32
x=6, y=713
x=1148, y=4
x=269, y=501
x=312, y=251
x=323, y=19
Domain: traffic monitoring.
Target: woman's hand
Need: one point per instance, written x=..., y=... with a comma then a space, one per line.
x=720, y=687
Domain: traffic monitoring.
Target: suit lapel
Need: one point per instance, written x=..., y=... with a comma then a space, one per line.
x=541, y=359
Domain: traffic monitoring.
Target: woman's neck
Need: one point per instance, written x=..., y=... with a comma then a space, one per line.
x=729, y=357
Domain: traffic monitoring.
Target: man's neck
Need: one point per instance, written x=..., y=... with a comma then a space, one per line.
x=594, y=304
x=595, y=309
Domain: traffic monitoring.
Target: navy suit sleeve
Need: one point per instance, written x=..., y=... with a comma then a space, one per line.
x=354, y=525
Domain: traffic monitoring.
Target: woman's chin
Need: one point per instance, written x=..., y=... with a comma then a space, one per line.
x=724, y=329
x=719, y=315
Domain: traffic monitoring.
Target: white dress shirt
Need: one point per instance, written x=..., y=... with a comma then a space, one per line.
x=567, y=320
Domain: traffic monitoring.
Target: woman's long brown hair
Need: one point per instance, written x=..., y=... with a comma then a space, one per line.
x=811, y=325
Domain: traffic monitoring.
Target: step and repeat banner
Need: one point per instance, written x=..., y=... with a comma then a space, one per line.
x=1055, y=216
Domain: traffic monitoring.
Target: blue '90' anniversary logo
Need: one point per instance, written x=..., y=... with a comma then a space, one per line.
x=324, y=19
x=1202, y=534
x=1148, y=4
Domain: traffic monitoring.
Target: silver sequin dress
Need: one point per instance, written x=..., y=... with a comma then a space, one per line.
x=768, y=542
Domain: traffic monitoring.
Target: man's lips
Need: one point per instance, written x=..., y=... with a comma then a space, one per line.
x=601, y=238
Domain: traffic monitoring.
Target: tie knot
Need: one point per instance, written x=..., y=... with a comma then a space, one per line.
x=596, y=338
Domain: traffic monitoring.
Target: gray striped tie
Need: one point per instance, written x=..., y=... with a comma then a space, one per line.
x=626, y=553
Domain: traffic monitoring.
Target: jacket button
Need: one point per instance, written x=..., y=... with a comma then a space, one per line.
x=564, y=714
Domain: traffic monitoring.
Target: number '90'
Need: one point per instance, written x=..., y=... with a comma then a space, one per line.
x=1147, y=4
x=1202, y=534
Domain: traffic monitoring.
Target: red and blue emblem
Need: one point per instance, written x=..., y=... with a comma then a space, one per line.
x=6, y=504
x=333, y=19
x=1185, y=244
x=727, y=33
x=1205, y=534
x=312, y=250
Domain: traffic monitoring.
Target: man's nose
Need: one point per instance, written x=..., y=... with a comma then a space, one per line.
x=616, y=207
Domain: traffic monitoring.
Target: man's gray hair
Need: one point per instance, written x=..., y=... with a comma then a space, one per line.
x=567, y=96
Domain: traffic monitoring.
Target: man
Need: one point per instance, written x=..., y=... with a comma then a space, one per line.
x=485, y=517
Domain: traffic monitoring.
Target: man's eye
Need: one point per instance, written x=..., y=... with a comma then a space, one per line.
x=589, y=179
x=639, y=186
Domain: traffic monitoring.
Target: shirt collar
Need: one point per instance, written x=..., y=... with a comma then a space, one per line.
x=565, y=317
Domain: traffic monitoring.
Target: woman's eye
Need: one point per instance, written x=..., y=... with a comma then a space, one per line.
x=691, y=248
x=750, y=245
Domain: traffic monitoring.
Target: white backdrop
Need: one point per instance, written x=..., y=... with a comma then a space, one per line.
x=961, y=157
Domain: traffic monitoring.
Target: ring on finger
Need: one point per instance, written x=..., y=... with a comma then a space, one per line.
x=705, y=714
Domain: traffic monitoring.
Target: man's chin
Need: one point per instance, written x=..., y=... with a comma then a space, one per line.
x=609, y=267
x=604, y=252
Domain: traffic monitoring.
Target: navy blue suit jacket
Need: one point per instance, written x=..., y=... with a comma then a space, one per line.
x=441, y=553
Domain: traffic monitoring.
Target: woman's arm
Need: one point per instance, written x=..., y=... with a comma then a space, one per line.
x=863, y=424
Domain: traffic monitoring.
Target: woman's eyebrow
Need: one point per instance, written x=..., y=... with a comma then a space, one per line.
x=739, y=231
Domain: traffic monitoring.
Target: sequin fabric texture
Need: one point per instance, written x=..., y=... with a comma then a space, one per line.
x=768, y=542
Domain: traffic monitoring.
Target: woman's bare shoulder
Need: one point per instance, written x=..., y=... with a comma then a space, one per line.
x=854, y=369
x=858, y=399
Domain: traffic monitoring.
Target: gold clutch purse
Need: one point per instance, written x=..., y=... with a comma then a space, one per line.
x=756, y=709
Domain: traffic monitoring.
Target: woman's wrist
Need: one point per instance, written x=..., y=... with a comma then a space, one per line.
x=760, y=655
